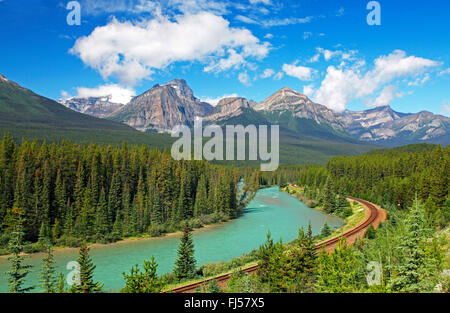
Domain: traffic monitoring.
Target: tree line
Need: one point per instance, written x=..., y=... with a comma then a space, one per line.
x=73, y=193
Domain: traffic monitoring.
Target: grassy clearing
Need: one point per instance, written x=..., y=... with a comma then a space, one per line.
x=358, y=215
x=358, y=211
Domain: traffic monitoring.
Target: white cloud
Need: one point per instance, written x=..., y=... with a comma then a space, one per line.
x=387, y=95
x=307, y=35
x=245, y=19
x=275, y=21
x=214, y=101
x=64, y=94
x=260, y=1
x=445, y=108
x=420, y=80
x=268, y=36
x=268, y=72
x=444, y=72
x=308, y=90
x=300, y=72
x=329, y=54
x=117, y=93
x=97, y=7
x=278, y=76
x=196, y=6
x=286, y=21
x=244, y=78
x=341, y=85
x=131, y=51
x=340, y=12
x=234, y=60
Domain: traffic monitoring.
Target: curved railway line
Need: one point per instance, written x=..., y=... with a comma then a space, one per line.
x=374, y=215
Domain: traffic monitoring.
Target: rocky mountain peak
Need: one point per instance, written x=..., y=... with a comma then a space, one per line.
x=284, y=99
x=228, y=107
x=96, y=106
x=235, y=101
x=182, y=89
x=162, y=107
x=3, y=78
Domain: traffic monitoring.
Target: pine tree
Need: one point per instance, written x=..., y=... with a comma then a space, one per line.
x=185, y=263
x=201, y=198
x=328, y=198
x=60, y=287
x=326, y=231
x=87, y=267
x=48, y=278
x=143, y=282
x=413, y=255
x=338, y=271
x=18, y=271
x=370, y=233
x=101, y=220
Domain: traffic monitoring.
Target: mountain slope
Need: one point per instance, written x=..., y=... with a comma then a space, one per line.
x=96, y=106
x=24, y=113
x=162, y=107
x=309, y=132
x=384, y=126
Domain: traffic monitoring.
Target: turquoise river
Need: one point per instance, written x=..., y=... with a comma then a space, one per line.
x=271, y=209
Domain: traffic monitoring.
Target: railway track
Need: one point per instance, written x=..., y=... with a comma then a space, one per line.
x=358, y=230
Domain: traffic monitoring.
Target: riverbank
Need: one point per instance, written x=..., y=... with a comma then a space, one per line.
x=125, y=240
x=359, y=212
x=271, y=209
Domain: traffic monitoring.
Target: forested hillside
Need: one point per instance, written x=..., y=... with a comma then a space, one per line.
x=73, y=193
x=389, y=177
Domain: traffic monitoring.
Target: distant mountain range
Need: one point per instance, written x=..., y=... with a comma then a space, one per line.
x=309, y=132
x=164, y=106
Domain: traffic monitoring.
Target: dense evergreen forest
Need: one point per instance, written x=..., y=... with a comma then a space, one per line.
x=74, y=193
x=66, y=192
x=391, y=178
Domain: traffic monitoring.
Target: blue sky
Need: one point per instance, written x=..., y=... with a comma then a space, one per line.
x=250, y=48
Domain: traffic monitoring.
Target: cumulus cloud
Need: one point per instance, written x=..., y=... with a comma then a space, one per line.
x=117, y=94
x=268, y=36
x=268, y=72
x=308, y=90
x=386, y=96
x=244, y=78
x=329, y=54
x=299, y=72
x=420, y=80
x=341, y=85
x=214, y=101
x=131, y=51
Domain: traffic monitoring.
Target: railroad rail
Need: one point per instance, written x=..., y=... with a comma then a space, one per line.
x=358, y=230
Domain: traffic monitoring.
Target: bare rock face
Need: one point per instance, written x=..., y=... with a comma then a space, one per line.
x=96, y=106
x=384, y=124
x=162, y=107
x=421, y=126
x=227, y=108
x=3, y=78
x=301, y=106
